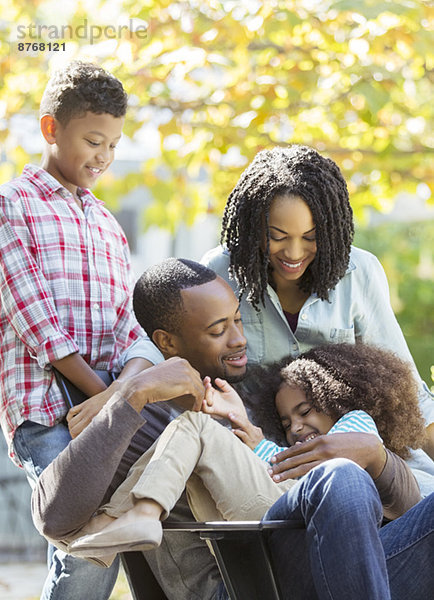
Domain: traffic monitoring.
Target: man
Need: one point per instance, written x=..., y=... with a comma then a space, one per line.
x=188, y=311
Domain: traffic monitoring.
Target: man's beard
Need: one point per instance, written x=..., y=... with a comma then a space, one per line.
x=233, y=378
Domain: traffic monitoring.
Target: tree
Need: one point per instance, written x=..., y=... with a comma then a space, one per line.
x=215, y=81
x=222, y=79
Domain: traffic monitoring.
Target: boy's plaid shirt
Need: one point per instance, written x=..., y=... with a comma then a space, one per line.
x=65, y=285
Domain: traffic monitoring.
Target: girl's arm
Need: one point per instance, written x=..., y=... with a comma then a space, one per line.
x=222, y=400
x=226, y=403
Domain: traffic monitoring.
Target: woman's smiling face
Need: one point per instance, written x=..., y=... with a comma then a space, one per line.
x=292, y=238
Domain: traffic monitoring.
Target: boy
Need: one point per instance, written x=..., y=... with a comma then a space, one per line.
x=65, y=287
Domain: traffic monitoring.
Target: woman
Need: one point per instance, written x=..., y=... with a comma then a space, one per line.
x=286, y=250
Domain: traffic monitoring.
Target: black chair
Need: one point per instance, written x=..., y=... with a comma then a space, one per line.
x=242, y=556
x=141, y=580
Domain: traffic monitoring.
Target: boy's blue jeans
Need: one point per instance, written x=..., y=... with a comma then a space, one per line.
x=69, y=578
x=341, y=551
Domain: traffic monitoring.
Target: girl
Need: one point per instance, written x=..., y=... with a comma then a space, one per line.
x=335, y=388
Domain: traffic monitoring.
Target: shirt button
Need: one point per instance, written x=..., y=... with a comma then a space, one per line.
x=304, y=316
x=96, y=306
x=294, y=346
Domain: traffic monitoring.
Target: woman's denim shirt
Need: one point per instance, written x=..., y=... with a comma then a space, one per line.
x=358, y=310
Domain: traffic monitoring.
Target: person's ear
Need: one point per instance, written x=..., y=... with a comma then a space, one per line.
x=166, y=342
x=48, y=128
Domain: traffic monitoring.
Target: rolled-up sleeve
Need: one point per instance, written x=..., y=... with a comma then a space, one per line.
x=27, y=303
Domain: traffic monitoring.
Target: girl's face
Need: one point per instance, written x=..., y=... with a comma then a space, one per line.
x=300, y=420
x=292, y=238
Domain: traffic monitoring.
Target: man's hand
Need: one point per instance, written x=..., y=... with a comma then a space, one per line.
x=365, y=449
x=172, y=379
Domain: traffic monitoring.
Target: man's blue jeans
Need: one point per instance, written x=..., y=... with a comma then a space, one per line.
x=340, y=550
x=68, y=578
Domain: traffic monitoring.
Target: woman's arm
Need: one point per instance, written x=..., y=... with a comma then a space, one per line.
x=376, y=324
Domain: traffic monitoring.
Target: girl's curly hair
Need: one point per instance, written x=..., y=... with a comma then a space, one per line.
x=339, y=378
x=295, y=171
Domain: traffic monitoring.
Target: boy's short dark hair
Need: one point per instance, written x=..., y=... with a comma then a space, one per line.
x=82, y=87
x=157, y=299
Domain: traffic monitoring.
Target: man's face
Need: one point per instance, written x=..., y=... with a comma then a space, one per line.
x=211, y=335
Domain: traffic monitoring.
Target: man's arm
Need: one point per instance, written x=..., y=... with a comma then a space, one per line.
x=398, y=492
x=174, y=378
x=429, y=442
x=73, y=486
x=397, y=487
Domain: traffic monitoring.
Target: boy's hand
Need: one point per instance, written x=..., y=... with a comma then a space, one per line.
x=245, y=430
x=80, y=416
x=220, y=402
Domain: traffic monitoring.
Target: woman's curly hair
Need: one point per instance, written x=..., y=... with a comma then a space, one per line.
x=297, y=171
x=339, y=378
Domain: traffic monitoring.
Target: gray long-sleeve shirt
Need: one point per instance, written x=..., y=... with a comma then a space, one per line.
x=93, y=464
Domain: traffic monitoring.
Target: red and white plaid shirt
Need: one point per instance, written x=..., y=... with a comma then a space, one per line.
x=65, y=286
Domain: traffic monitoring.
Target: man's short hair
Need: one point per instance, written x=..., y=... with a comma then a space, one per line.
x=82, y=87
x=157, y=299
